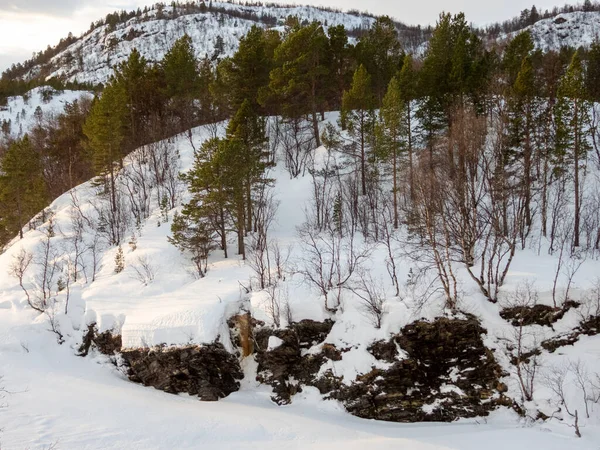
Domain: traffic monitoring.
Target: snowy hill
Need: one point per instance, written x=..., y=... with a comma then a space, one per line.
x=576, y=29
x=19, y=114
x=216, y=33
x=90, y=59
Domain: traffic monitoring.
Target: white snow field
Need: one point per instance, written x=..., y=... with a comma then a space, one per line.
x=56, y=399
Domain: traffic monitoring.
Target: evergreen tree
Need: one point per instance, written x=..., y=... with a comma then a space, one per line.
x=593, y=72
x=407, y=84
x=182, y=80
x=523, y=110
x=519, y=48
x=248, y=130
x=357, y=112
x=573, y=127
x=340, y=64
x=247, y=71
x=68, y=163
x=395, y=134
x=381, y=53
x=105, y=130
x=299, y=81
x=22, y=189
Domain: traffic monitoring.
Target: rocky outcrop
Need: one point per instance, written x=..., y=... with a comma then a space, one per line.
x=589, y=327
x=284, y=366
x=543, y=315
x=208, y=371
x=430, y=371
x=447, y=374
x=445, y=371
x=106, y=343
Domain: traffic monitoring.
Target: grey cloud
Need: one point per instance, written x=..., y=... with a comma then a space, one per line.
x=61, y=8
x=46, y=7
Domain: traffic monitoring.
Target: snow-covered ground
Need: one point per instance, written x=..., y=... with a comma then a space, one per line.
x=85, y=403
x=20, y=110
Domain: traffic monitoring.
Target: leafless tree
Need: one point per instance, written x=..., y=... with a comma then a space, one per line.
x=431, y=244
x=136, y=182
x=18, y=268
x=76, y=244
x=280, y=259
x=590, y=302
x=47, y=270
x=259, y=257
x=329, y=261
x=145, y=271
x=387, y=238
x=372, y=295
x=297, y=140
x=323, y=193
x=524, y=344
x=95, y=247
x=51, y=312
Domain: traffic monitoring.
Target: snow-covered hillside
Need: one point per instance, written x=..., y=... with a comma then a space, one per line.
x=86, y=403
x=19, y=115
x=576, y=29
x=90, y=60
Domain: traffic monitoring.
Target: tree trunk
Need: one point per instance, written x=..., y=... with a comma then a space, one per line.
x=576, y=178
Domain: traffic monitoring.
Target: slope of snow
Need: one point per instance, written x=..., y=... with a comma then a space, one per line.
x=576, y=29
x=20, y=110
x=90, y=59
x=81, y=404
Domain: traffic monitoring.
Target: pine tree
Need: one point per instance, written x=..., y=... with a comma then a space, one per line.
x=407, y=83
x=299, y=81
x=340, y=64
x=395, y=134
x=23, y=192
x=119, y=260
x=104, y=129
x=357, y=110
x=248, y=130
x=381, y=53
x=573, y=125
x=247, y=71
x=519, y=48
x=182, y=80
x=593, y=72
x=523, y=111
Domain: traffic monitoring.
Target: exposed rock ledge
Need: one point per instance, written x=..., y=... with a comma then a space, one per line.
x=443, y=373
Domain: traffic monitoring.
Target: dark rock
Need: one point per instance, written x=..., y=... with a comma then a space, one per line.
x=311, y=332
x=106, y=343
x=384, y=350
x=589, y=327
x=285, y=368
x=536, y=315
x=448, y=373
x=208, y=371
x=331, y=352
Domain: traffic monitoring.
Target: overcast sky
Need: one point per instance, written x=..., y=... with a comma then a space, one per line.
x=27, y=26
